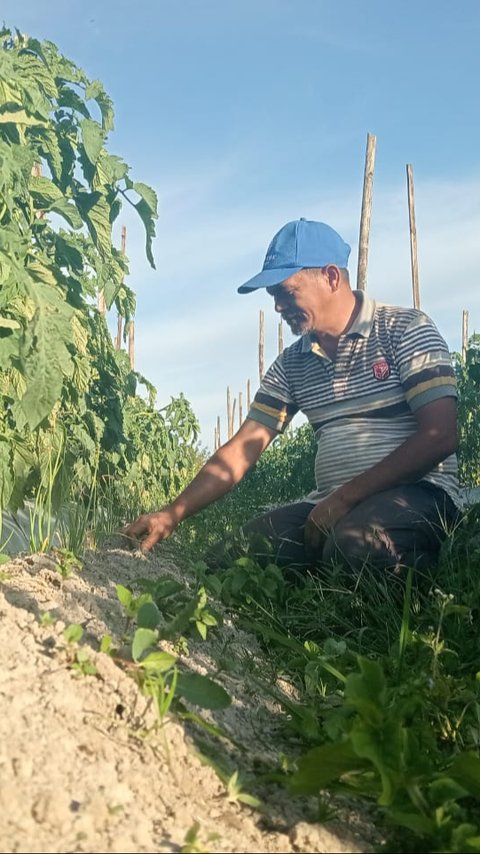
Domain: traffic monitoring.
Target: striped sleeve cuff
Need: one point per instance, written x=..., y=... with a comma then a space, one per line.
x=271, y=411
x=427, y=392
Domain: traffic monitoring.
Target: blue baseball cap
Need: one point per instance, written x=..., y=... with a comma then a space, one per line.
x=299, y=244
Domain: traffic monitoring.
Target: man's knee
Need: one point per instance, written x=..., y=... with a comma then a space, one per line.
x=355, y=546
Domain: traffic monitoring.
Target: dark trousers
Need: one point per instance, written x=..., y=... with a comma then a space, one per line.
x=398, y=527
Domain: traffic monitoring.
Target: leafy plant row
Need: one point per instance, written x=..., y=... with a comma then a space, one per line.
x=68, y=400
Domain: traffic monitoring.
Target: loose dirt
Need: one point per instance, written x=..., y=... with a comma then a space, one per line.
x=84, y=765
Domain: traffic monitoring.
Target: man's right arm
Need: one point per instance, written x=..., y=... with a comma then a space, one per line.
x=220, y=473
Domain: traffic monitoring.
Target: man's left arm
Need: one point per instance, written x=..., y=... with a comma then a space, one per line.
x=434, y=440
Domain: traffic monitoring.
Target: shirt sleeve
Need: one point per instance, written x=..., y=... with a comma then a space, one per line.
x=273, y=404
x=424, y=363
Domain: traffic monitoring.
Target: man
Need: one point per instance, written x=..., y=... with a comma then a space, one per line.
x=377, y=385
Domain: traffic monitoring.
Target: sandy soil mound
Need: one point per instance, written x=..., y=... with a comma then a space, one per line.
x=83, y=765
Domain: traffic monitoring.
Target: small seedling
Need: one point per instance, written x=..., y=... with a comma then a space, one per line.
x=78, y=658
x=235, y=793
x=82, y=665
x=46, y=619
x=193, y=844
x=66, y=562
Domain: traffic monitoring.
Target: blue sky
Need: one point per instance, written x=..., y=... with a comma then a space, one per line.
x=245, y=115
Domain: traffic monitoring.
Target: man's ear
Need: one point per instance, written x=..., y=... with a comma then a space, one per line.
x=334, y=276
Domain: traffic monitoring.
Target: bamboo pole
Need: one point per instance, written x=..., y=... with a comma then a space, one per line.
x=280, y=337
x=118, y=339
x=101, y=304
x=240, y=408
x=261, y=346
x=248, y=396
x=131, y=344
x=413, y=237
x=464, y=335
x=366, y=213
x=123, y=246
x=233, y=416
x=218, y=431
x=215, y=438
x=229, y=414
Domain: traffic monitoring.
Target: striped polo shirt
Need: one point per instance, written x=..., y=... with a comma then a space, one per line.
x=361, y=406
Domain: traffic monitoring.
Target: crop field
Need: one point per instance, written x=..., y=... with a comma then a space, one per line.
x=147, y=702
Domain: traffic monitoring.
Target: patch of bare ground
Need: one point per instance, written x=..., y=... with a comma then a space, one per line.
x=84, y=765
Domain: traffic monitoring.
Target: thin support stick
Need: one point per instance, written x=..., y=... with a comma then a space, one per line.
x=413, y=237
x=464, y=335
x=261, y=346
x=131, y=344
x=366, y=213
x=123, y=246
x=229, y=414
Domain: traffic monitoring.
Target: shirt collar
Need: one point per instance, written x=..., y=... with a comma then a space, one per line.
x=361, y=326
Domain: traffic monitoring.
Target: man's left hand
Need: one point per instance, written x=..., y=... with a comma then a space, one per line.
x=322, y=520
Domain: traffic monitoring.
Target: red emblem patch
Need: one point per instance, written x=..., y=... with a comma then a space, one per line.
x=381, y=369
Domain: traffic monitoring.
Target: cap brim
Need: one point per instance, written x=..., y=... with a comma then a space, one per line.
x=267, y=279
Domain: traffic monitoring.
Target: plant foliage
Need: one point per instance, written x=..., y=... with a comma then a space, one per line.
x=62, y=383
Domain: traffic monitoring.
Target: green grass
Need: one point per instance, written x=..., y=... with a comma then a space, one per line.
x=387, y=674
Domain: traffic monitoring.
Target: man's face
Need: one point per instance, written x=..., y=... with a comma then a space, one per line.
x=299, y=299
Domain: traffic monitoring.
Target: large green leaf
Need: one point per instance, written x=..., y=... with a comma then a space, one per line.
x=69, y=98
x=46, y=360
x=93, y=138
x=6, y=471
x=44, y=191
x=324, y=765
x=466, y=771
x=143, y=639
x=146, y=216
x=68, y=211
x=148, y=616
x=20, y=117
x=50, y=148
x=95, y=211
x=158, y=662
x=202, y=691
x=96, y=92
x=147, y=209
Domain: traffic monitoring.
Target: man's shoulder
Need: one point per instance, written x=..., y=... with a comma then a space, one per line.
x=399, y=312
x=400, y=317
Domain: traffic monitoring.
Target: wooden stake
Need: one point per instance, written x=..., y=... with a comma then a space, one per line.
x=101, y=304
x=233, y=416
x=240, y=408
x=280, y=337
x=123, y=246
x=131, y=344
x=464, y=335
x=248, y=396
x=413, y=237
x=261, y=346
x=118, y=339
x=215, y=444
x=366, y=212
x=229, y=414
x=218, y=431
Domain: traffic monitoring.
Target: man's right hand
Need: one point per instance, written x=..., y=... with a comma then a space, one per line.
x=152, y=527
